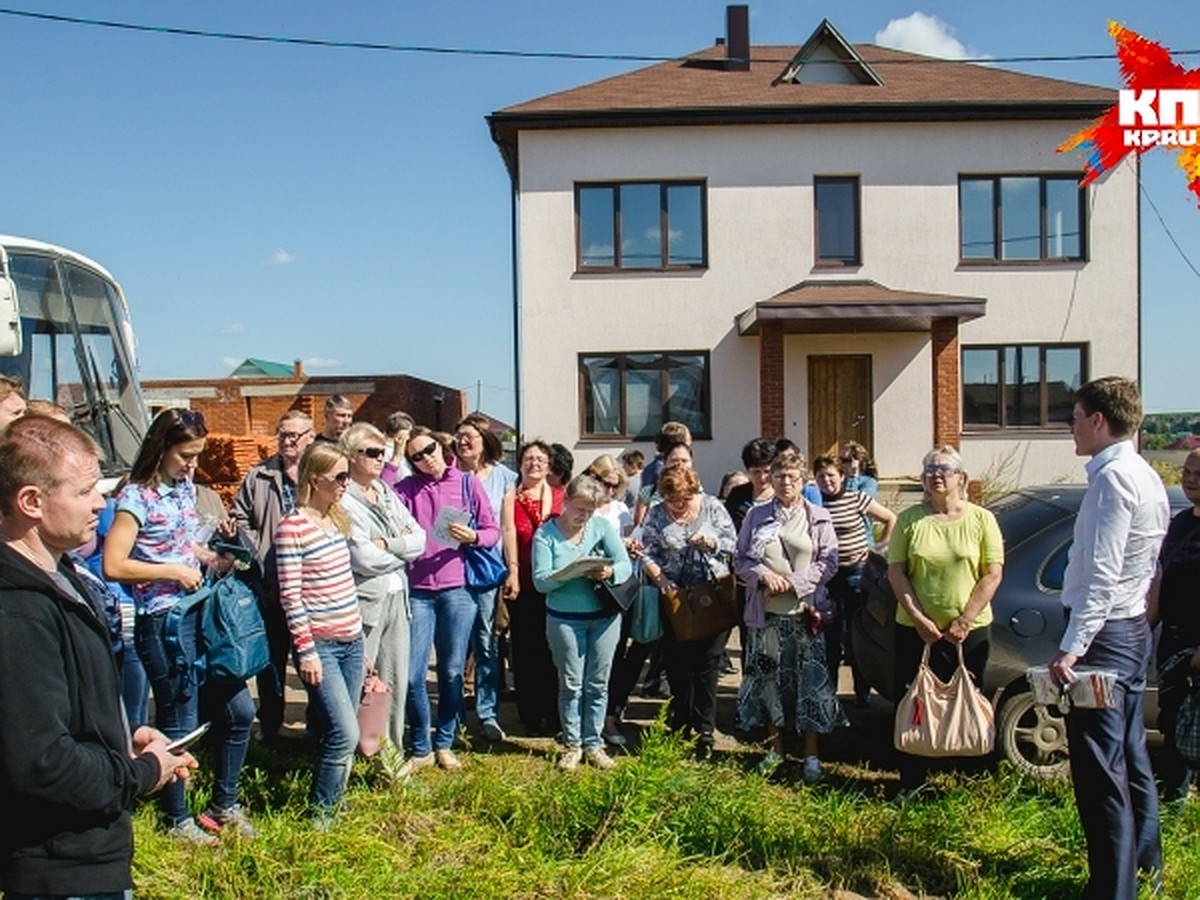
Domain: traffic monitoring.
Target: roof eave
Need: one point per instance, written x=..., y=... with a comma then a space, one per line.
x=505, y=125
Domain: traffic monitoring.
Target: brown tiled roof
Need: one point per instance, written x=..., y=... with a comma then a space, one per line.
x=700, y=89
x=860, y=305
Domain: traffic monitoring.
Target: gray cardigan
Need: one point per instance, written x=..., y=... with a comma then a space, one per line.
x=378, y=572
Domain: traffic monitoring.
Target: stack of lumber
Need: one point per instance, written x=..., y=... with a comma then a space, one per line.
x=227, y=458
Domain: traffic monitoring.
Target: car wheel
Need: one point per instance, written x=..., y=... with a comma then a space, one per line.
x=1033, y=738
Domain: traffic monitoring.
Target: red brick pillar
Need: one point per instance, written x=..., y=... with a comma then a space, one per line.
x=947, y=383
x=770, y=379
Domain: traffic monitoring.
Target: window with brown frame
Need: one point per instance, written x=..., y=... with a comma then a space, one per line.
x=640, y=225
x=1021, y=385
x=1021, y=218
x=629, y=395
x=836, y=206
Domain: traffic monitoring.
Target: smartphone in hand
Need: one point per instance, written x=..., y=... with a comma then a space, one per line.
x=180, y=745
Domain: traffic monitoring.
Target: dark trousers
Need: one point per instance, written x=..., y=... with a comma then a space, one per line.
x=1114, y=785
x=845, y=593
x=535, y=677
x=943, y=659
x=1174, y=774
x=693, y=668
x=270, y=681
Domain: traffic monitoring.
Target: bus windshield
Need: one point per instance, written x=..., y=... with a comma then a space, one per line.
x=76, y=351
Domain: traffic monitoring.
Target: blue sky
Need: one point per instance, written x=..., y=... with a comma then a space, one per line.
x=348, y=208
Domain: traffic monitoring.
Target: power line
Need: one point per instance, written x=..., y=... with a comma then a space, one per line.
x=517, y=54
x=1170, y=236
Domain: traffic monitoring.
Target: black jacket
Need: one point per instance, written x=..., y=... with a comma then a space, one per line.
x=67, y=782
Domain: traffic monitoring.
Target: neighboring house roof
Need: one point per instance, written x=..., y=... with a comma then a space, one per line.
x=262, y=368
x=834, y=307
x=1187, y=442
x=705, y=88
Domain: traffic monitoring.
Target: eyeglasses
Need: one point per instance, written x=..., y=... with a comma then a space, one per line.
x=372, y=452
x=467, y=437
x=941, y=469
x=339, y=479
x=292, y=436
x=787, y=476
x=425, y=451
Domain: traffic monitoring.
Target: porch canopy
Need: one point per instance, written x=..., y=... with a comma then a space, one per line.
x=843, y=306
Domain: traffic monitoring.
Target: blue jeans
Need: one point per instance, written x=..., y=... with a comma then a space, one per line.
x=177, y=702
x=583, y=652
x=1114, y=785
x=443, y=619
x=486, y=648
x=335, y=703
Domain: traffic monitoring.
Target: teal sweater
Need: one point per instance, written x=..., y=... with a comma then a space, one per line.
x=551, y=551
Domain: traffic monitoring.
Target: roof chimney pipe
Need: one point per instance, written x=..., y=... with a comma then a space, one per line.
x=737, y=38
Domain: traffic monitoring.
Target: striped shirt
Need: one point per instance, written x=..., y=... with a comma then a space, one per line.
x=316, y=584
x=847, y=509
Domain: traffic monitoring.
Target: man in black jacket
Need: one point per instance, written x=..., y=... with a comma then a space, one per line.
x=69, y=769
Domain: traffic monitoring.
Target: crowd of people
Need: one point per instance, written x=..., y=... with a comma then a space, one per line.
x=372, y=547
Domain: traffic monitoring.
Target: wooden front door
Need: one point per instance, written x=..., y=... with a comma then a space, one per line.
x=839, y=403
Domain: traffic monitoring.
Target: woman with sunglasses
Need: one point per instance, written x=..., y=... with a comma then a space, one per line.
x=155, y=543
x=480, y=452
x=441, y=498
x=944, y=564
x=320, y=599
x=384, y=537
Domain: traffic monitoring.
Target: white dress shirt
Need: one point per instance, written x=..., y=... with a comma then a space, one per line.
x=1120, y=526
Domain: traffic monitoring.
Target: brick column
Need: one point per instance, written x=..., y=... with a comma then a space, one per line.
x=770, y=379
x=947, y=383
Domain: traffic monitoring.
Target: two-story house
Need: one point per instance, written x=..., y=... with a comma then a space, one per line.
x=827, y=242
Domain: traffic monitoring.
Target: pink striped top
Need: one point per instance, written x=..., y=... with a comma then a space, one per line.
x=316, y=584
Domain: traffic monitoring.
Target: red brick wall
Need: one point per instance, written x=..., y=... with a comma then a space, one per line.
x=947, y=383
x=771, y=378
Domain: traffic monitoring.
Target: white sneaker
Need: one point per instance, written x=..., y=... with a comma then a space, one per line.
x=812, y=769
x=413, y=765
x=600, y=759
x=188, y=832
x=570, y=759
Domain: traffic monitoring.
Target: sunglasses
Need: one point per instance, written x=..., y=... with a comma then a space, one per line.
x=372, y=452
x=611, y=485
x=940, y=468
x=428, y=450
x=191, y=418
x=339, y=479
x=292, y=436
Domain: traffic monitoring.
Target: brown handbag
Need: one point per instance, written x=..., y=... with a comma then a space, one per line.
x=944, y=718
x=702, y=610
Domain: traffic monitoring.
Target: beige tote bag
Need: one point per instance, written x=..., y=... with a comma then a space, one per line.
x=937, y=718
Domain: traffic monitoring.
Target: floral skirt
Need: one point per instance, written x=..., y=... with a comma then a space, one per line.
x=787, y=679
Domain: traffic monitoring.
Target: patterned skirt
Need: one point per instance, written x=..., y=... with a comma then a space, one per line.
x=786, y=680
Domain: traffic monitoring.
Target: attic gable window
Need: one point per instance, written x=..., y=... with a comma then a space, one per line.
x=828, y=58
x=640, y=225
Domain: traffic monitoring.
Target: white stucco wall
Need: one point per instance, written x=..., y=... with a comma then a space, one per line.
x=760, y=242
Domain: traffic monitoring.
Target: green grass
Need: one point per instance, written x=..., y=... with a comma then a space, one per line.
x=510, y=825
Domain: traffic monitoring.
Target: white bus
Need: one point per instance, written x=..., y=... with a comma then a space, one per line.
x=65, y=332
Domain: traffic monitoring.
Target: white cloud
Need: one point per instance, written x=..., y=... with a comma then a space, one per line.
x=279, y=257
x=232, y=328
x=924, y=34
x=319, y=362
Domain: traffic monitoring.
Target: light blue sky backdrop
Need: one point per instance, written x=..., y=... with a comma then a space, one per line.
x=348, y=208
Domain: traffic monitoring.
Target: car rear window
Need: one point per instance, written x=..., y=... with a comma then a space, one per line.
x=1021, y=516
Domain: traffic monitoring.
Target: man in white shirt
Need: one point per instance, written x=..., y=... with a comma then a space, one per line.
x=1121, y=523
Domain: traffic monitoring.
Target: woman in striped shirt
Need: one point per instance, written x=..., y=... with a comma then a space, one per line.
x=317, y=592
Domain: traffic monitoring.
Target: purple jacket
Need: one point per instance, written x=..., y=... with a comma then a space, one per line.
x=758, y=526
x=440, y=567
